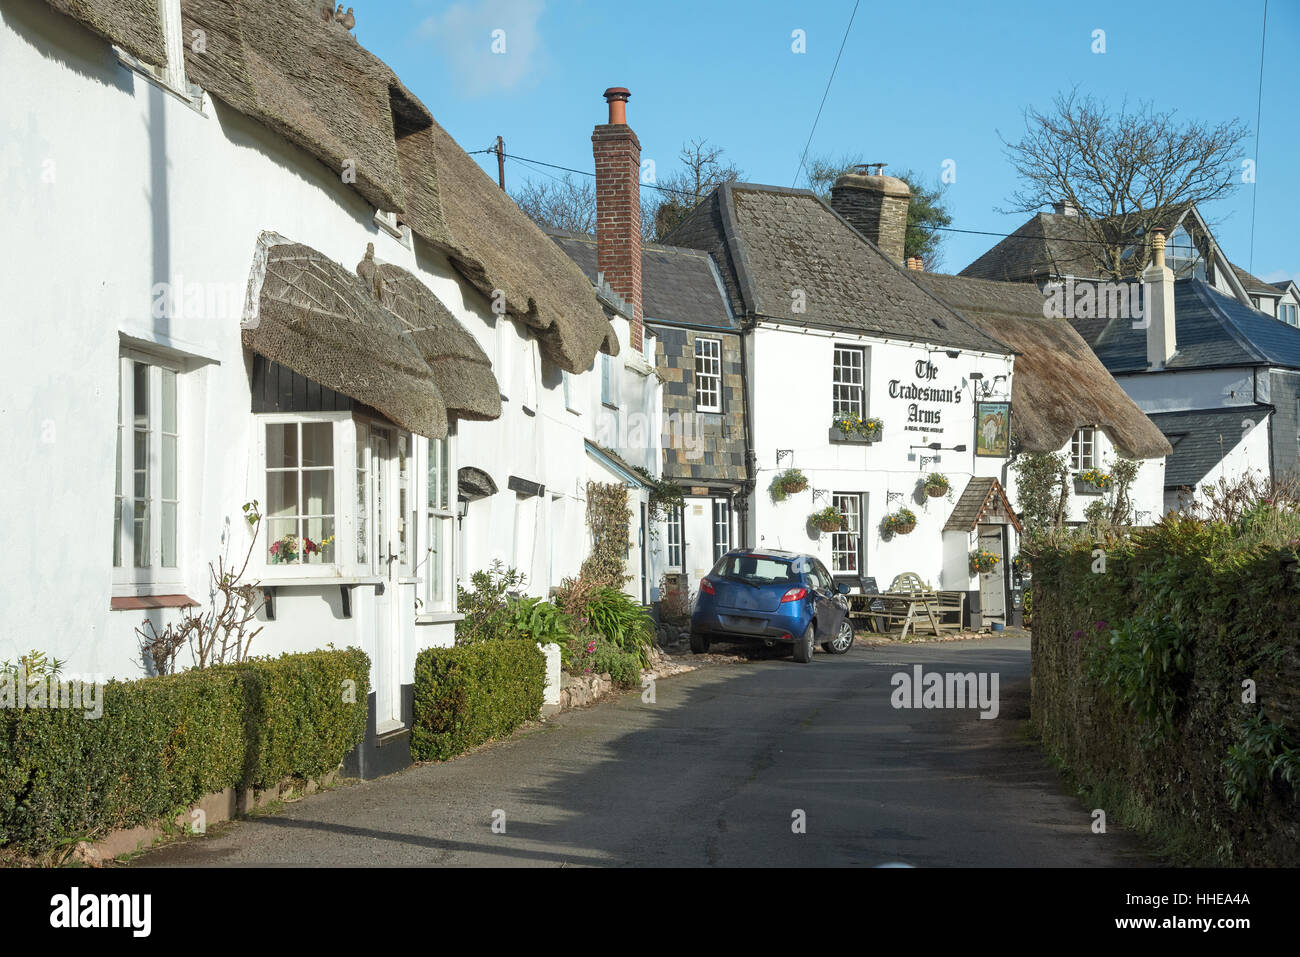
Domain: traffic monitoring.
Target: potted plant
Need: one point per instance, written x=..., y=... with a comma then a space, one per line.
x=936, y=484
x=1092, y=482
x=901, y=522
x=983, y=560
x=850, y=427
x=788, y=483
x=1020, y=564
x=286, y=550
x=829, y=519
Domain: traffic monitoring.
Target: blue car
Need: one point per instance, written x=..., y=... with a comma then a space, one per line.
x=783, y=599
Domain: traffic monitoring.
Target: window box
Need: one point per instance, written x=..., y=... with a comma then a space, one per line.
x=852, y=429
x=1085, y=488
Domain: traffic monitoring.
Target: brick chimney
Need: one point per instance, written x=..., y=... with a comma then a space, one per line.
x=1158, y=305
x=876, y=206
x=618, y=206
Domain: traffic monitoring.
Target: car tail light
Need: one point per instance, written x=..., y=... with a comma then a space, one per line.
x=795, y=594
x=706, y=586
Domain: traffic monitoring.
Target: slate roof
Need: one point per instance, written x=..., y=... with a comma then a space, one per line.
x=770, y=242
x=1196, y=437
x=1048, y=244
x=1213, y=330
x=1254, y=283
x=1059, y=385
x=678, y=285
x=980, y=493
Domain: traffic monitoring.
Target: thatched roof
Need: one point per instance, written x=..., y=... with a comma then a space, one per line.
x=280, y=63
x=460, y=367
x=316, y=317
x=542, y=286
x=134, y=25
x=1059, y=384
x=314, y=84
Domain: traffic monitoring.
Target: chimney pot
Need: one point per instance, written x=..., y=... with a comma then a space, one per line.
x=876, y=206
x=616, y=97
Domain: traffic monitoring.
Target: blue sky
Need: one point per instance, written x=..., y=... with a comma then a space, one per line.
x=918, y=84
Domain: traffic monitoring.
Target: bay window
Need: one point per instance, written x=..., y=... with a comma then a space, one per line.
x=300, y=503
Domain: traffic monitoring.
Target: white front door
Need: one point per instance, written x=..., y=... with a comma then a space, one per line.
x=384, y=521
x=993, y=593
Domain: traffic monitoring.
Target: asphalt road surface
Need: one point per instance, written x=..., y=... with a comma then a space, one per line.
x=713, y=774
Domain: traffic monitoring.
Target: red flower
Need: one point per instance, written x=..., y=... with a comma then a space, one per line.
x=275, y=549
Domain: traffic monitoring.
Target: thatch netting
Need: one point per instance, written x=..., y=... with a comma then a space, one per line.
x=460, y=367
x=1059, y=385
x=497, y=247
x=308, y=80
x=134, y=25
x=314, y=316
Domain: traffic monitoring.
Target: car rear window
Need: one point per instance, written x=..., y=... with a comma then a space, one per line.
x=755, y=569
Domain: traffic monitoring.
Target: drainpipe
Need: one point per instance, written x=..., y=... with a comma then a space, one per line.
x=747, y=326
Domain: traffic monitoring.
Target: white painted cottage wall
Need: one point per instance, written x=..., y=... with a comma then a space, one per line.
x=791, y=404
x=110, y=186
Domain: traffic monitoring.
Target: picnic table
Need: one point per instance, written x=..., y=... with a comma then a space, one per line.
x=909, y=602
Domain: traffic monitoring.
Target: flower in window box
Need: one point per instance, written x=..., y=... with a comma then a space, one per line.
x=1096, y=478
x=852, y=425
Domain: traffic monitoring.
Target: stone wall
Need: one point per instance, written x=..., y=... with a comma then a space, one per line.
x=719, y=455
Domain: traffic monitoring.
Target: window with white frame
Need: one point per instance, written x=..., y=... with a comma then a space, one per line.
x=1083, y=449
x=146, y=508
x=846, y=544
x=848, y=381
x=608, y=385
x=675, y=537
x=572, y=392
x=300, y=486
x=1287, y=313
x=708, y=375
x=531, y=373
x=721, y=527
x=502, y=368
x=441, y=521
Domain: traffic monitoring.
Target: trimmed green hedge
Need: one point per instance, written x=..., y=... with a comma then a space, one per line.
x=164, y=742
x=470, y=694
x=1138, y=670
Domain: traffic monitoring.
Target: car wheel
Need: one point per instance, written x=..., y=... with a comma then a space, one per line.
x=699, y=644
x=803, y=648
x=843, y=639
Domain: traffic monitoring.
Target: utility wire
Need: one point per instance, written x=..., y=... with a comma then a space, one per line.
x=1259, y=105
x=826, y=93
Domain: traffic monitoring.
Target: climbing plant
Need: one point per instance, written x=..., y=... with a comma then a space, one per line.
x=1041, y=490
x=608, y=518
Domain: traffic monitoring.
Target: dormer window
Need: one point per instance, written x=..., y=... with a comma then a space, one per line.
x=1182, y=256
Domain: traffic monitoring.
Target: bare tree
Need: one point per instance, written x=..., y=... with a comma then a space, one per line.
x=1126, y=172
x=568, y=203
x=702, y=170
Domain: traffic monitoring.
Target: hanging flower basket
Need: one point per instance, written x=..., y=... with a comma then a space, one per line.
x=854, y=428
x=829, y=519
x=982, y=560
x=789, y=482
x=902, y=522
x=936, y=485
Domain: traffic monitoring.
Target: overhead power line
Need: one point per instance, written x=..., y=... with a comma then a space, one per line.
x=1259, y=105
x=803, y=158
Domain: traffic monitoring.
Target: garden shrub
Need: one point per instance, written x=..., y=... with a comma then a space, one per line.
x=164, y=742
x=470, y=694
x=1166, y=673
x=621, y=620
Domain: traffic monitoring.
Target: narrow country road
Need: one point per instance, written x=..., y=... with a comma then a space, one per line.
x=711, y=775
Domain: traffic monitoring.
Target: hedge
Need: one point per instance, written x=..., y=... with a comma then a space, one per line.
x=1137, y=685
x=470, y=694
x=162, y=743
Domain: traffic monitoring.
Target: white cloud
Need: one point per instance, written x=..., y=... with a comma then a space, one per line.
x=1282, y=275
x=467, y=34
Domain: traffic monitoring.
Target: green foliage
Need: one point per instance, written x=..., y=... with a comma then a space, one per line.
x=1261, y=760
x=665, y=495
x=164, y=742
x=900, y=522
x=828, y=519
x=536, y=619
x=485, y=603
x=1141, y=644
x=467, y=695
x=787, y=483
x=620, y=620
x=1027, y=606
x=32, y=666
x=936, y=480
x=1145, y=668
x=608, y=518
x=853, y=424
x=1041, y=490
